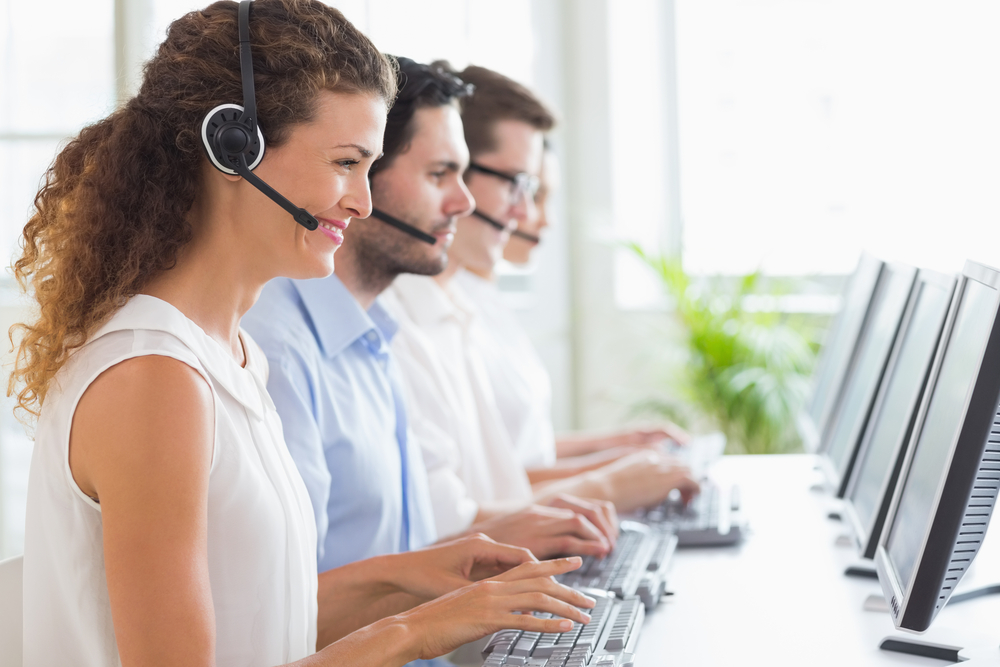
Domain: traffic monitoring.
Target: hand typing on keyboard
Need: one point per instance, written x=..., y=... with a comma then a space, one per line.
x=642, y=479
x=494, y=604
x=607, y=641
x=601, y=513
x=547, y=532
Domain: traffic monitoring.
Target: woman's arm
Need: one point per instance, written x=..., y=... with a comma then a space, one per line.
x=141, y=444
x=581, y=443
x=577, y=465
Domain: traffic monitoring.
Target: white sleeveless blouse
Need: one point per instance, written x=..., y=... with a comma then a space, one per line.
x=261, y=531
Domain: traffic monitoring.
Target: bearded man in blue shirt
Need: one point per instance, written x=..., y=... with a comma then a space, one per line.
x=332, y=375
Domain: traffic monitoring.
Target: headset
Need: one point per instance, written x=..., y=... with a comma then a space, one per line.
x=427, y=238
x=403, y=226
x=232, y=137
x=499, y=226
x=525, y=236
x=492, y=222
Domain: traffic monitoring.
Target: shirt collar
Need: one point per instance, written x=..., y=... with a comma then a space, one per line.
x=337, y=317
x=426, y=302
x=385, y=322
x=245, y=384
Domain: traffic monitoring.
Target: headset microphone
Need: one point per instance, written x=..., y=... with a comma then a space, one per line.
x=232, y=137
x=492, y=222
x=496, y=224
x=403, y=226
x=525, y=236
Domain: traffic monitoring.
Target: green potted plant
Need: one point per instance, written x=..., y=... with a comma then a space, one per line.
x=745, y=373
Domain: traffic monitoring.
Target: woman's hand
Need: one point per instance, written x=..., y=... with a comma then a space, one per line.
x=479, y=609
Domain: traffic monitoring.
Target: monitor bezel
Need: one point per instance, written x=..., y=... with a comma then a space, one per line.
x=837, y=475
x=814, y=424
x=866, y=534
x=906, y=612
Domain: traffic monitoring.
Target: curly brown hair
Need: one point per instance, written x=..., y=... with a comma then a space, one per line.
x=112, y=212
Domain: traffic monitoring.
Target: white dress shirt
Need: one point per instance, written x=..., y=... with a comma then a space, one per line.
x=468, y=453
x=520, y=380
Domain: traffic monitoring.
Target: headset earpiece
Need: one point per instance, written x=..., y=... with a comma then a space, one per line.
x=225, y=138
x=232, y=137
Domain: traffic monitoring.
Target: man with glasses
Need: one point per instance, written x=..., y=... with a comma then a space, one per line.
x=456, y=322
x=467, y=452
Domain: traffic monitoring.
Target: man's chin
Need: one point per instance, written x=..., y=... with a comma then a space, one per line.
x=427, y=268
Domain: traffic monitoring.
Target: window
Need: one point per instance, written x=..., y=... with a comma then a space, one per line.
x=813, y=129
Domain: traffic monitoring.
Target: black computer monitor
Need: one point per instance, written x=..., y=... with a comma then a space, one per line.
x=883, y=445
x=838, y=349
x=847, y=424
x=951, y=473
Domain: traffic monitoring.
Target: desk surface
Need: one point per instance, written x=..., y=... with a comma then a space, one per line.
x=781, y=597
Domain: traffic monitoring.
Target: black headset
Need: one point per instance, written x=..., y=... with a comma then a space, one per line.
x=525, y=236
x=232, y=137
x=413, y=231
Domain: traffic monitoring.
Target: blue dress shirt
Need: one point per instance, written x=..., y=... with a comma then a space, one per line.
x=336, y=388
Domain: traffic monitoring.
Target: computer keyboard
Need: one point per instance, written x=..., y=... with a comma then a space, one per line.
x=609, y=640
x=636, y=566
x=712, y=518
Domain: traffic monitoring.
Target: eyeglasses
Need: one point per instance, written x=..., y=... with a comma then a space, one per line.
x=522, y=184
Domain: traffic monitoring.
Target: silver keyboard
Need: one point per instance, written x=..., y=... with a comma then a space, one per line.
x=712, y=518
x=609, y=640
x=636, y=566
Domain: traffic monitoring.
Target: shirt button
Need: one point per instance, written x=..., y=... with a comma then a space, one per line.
x=372, y=337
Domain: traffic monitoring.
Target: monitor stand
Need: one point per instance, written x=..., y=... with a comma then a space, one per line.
x=938, y=651
x=861, y=571
x=921, y=648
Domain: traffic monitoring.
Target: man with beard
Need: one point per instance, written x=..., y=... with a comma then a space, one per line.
x=333, y=377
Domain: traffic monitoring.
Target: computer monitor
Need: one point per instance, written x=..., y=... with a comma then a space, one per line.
x=847, y=424
x=838, y=349
x=948, y=485
x=883, y=445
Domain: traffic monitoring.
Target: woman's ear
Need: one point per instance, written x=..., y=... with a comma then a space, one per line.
x=208, y=171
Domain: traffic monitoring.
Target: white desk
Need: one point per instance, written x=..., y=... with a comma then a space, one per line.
x=781, y=597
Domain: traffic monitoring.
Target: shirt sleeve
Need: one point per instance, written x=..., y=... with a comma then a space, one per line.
x=292, y=390
x=454, y=508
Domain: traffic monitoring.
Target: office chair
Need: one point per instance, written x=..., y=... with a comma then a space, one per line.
x=11, y=627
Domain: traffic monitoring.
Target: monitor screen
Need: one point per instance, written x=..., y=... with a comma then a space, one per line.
x=889, y=427
x=922, y=556
x=865, y=374
x=838, y=348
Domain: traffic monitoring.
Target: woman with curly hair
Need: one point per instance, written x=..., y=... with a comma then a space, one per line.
x=166, y=521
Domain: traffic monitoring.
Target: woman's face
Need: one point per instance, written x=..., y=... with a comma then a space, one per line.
x=321, y=167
